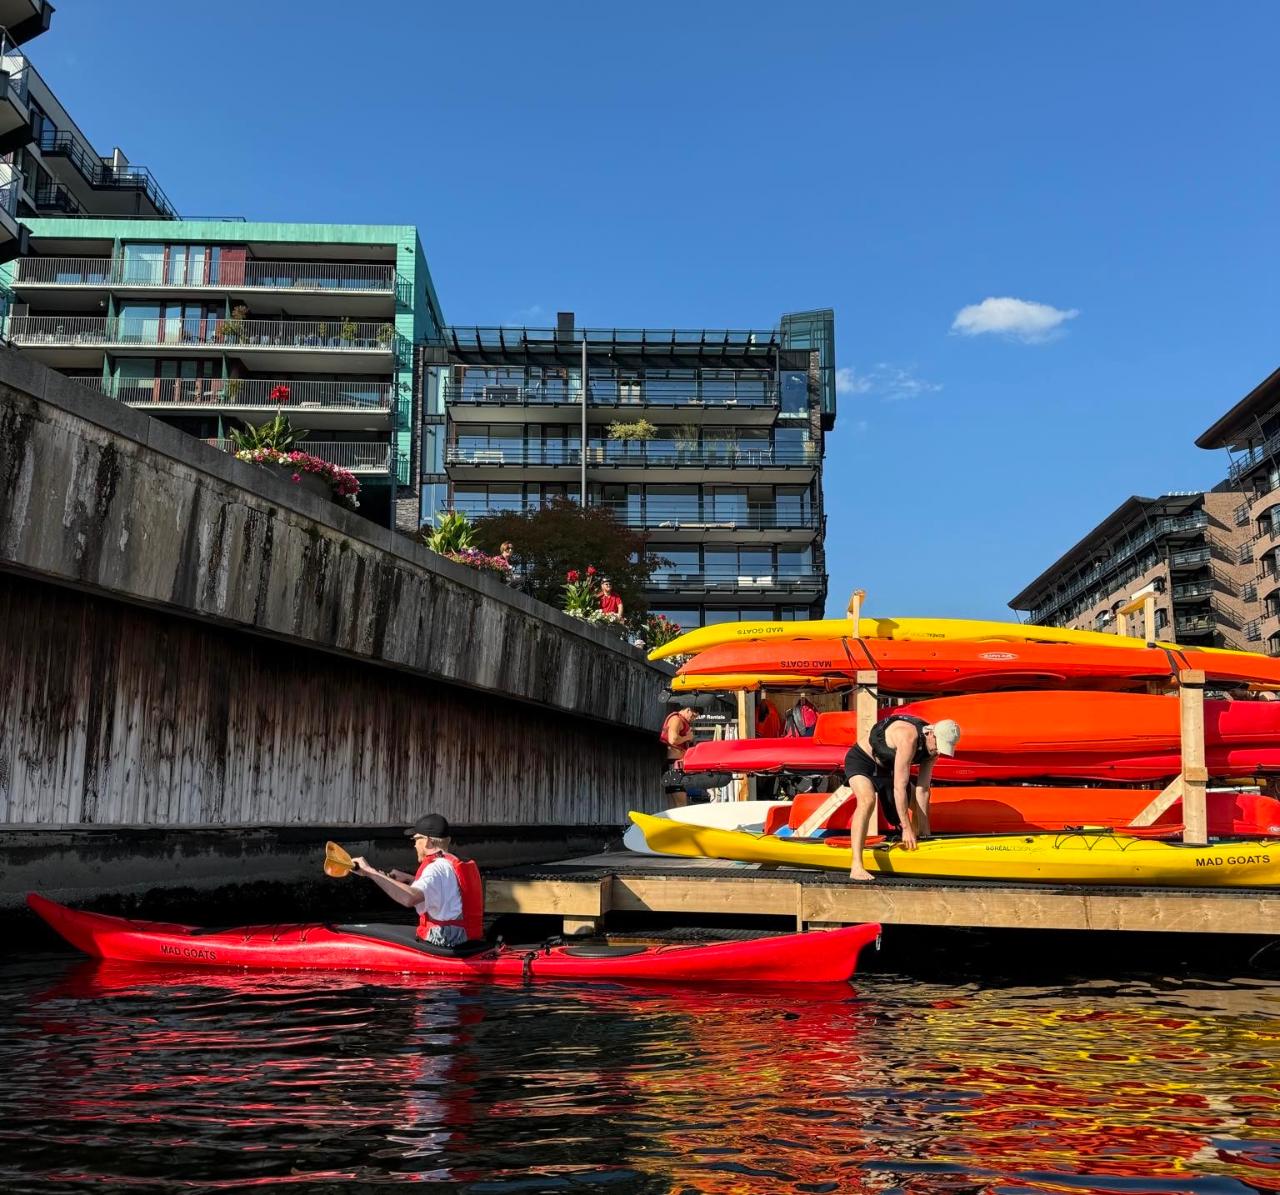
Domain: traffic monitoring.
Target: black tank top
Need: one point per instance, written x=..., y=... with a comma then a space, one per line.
x=886, y=754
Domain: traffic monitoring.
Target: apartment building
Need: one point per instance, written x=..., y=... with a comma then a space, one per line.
x=1250, y=432
x=727, y=485
x=209, y=324
x=1188, y=547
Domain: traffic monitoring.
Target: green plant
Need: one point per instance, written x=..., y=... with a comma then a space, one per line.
x=386, y=333
x=277, y=435
x=348, y=330
x=322, y=331
x=641, y=429
x=581, y=594
x=452, y=533
x=234, y=386
x=231, y=329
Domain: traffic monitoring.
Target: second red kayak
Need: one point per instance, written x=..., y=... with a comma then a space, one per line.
x=792, y=958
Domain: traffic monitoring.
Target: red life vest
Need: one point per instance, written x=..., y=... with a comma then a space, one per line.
x=471, y=888
x=667, y=738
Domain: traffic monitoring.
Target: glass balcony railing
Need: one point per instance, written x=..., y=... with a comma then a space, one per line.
x=660, y=454
x=264, y=393
x=235, y=334
x=779, y=582
x=1200, y=625
x=727, y=390
x=669, y=518
x=315, y=276
x=356, y=455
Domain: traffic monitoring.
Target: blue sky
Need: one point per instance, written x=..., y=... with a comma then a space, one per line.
x=717, y=164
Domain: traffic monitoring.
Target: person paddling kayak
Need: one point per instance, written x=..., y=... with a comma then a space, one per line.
x=445, y=891
x=881, y=771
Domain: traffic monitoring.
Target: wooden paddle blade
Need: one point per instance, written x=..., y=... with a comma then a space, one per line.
x=337, y=862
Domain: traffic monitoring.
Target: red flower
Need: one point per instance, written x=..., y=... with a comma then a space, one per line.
x=280, y=394
x=571, y=575
x=591, y=570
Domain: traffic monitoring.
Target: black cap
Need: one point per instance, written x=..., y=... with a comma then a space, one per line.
x=432, y=826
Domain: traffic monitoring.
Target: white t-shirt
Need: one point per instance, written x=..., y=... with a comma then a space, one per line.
x=438, y=888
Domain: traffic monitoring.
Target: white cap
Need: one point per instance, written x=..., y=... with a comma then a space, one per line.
x=947, y=734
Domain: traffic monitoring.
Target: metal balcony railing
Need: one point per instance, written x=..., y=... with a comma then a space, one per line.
x=1242, y=514
x=1200, y=589
x=668, y=519
x=1242, y=464
x=1249, y=592
x=330, y=335
x=1171, y=525
x=780, y=582
x=356, y=455
x=1244, y=554
x=99, y=173
x=56, y=198
x=9, y=191
x=1253, y=630
x=740, y=389
x=14, y=64
x=248, y=392
x=661, y=454
x=346, y=277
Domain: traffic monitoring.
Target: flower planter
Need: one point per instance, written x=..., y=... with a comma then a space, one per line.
x=311, y=483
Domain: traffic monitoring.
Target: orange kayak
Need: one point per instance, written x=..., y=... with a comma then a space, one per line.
x=941, y=666
x=1017, y=809
x=1027, y=724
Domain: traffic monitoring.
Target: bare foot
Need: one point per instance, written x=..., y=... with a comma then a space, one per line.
x=861, y=874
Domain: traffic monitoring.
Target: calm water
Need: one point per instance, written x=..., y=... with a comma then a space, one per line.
x=122, y=1079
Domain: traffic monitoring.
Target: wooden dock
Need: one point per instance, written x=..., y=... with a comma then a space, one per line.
x=583, y=892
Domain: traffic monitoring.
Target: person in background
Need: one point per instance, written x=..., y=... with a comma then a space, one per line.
x=610, y=602
x=677, y=736
x=507, y=552
x=802, y=719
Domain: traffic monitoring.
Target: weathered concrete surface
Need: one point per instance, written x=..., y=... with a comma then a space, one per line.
x=96, y=495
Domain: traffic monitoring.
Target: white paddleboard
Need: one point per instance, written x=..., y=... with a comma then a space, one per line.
x=719, y=815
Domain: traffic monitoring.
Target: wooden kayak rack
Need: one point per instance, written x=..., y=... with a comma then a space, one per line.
x=1188, y=786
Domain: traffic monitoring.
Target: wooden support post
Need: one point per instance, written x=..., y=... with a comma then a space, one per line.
x=746, y=730
x=1146, y=602
x=580, y=925
x=1195, y=827
x=855, y=610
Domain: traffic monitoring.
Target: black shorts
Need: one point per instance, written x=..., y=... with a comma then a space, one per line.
x=858, y=763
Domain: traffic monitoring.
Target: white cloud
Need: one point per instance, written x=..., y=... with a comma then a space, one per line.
x=1018, y=319
x=889, y=383
x=526, y=317
x=848, y=382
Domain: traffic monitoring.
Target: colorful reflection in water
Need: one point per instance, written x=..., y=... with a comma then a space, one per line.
x=130, y=1079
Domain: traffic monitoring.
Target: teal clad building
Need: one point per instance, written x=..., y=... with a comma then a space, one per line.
x=211, y=324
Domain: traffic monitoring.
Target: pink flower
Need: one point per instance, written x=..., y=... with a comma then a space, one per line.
x=591, y=570
x=572, y=575
x=297, y=477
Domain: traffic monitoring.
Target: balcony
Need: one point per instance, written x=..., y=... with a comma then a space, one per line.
x=1195, y=591
x=25, y=19
x=360, y=457
x=97, y=180
x=55, y=200
x=338, y=404
x=1187, y=561
x=686, y=524
x=1201, y=624
x=720, y=581
x=80, y=340
x=746, y=396
x=325, y=279
x=625, y=460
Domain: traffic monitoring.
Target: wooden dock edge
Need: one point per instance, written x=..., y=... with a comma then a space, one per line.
x=584, y=903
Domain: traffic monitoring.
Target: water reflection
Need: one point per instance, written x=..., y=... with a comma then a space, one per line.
x=138, y=1079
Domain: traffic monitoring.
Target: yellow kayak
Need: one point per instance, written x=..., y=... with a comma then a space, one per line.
x=732, y=682
x=1074, y=857
x=700, y=638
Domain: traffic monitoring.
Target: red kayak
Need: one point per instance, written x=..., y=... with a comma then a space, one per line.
x=944, y=666
x=792, y=958
x=1016, y=810
x=1031, y=724
x=811, y=756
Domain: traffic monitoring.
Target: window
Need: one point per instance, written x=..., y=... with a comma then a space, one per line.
x=685, y=617
x=795, y=392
